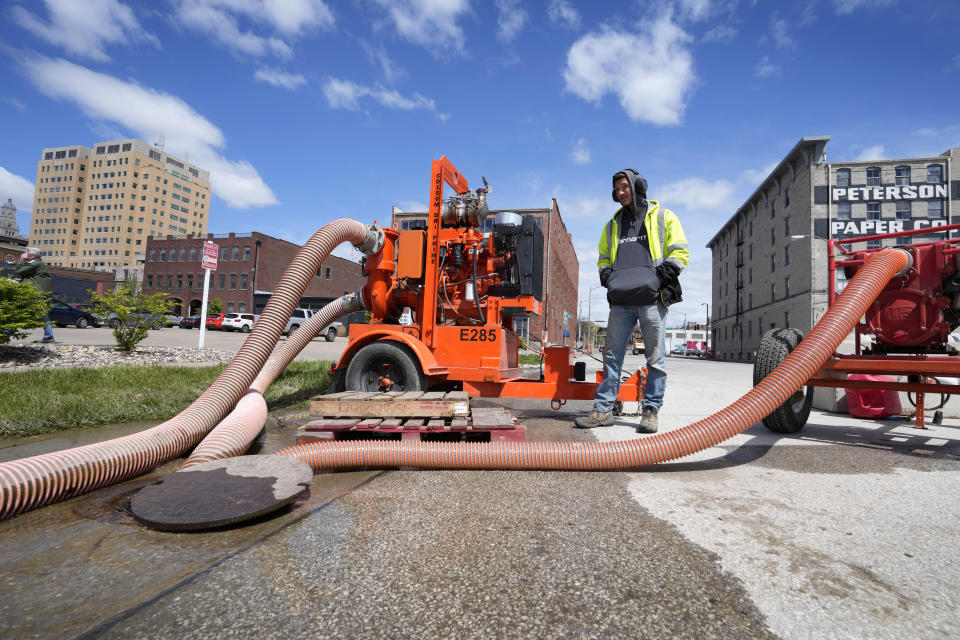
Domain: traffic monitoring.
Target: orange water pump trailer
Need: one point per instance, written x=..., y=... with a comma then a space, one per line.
x=442, y=298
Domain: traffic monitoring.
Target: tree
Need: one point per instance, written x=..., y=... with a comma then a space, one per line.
x=215, y=306
x=21, y=307
x=130, y=314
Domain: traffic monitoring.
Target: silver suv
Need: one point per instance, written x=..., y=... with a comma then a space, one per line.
x=300, y=317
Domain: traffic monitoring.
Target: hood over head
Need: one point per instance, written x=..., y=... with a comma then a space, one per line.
x=638, y=185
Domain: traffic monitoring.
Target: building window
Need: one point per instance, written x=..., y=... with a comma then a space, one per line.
x=935, y=209
x=241, y=307
x=183, y=253
x=222, y=281
x=189, y=281
x=873, y=211
x=193, y=254
x=750, y=301
x=902, y=178
x=873, y=244
x=236, y=254
x=843, y=177
x=229, y=307
x=150, y=281
x=327, y=273
x=773, y=209
x=179, y=281
x=224, y=252
x=773, y=292
x=873, y=176
x=786, y=226
x=163, y=255
x=773, y=237
x=903, y=211
x=246, y=253
x=786, y=290
x=843, y=211
x=750, y=275
x=243, y=280
x=786, y=198
x=169, y=281
x=153, y=255
x=786, y=256
x=934, y=173
x=233, y=281
x=786, y=316
x=773, y=262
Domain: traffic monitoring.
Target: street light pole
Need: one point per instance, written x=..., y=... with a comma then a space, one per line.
x=590, y=314
x=706, y=327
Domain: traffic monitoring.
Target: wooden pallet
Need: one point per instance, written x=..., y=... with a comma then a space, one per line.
x=487, y=424
x=396, y=404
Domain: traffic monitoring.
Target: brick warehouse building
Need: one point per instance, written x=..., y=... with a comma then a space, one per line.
x=561, y=272
x=770, y=257
x=249, y=267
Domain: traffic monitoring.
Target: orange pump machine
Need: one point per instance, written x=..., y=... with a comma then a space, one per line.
x=442, y=299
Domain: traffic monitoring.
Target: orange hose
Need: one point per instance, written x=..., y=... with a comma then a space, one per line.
x=798, y=367
x=31, y=482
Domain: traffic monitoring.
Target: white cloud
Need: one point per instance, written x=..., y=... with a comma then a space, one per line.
x=431, y=24
x=563, y=13
x=875, y=152
x=766, y=69
x=280, y=79
x=344, y=94
x=756, y=176
x=85, y=29
x=650, y=71
x=16, y=104
x=219, y=20
x=697, y=194
x=694, y=10
x=843, y=7
x=781, y=35
x=378, y=55
x=955, y=64
x=585, y=208
x=720, y=33
x=17, y=188
x=146, y=114
x=808, y=14
x=411, y=206
x=511, y=19
x=580, y=153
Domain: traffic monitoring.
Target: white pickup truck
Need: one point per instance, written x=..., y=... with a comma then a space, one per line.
x=300, y=317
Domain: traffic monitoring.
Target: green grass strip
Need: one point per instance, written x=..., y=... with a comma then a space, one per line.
x=47, y=400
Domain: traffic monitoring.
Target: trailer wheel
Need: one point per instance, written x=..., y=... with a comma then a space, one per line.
x=384, y=366
x=792, y=415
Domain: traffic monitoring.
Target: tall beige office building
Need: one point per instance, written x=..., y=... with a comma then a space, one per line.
x=95, y=208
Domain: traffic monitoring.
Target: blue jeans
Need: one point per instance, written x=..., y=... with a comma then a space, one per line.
x=620, y=326
x=47, y=328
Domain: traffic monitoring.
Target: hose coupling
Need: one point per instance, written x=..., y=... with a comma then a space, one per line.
x=908, y=266
x=353, y=302
x=373, y=242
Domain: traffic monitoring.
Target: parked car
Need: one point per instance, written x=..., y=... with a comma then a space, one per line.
x=706, y=354
x=679, y=350
x=190, y=322
x=215, y=320
x=173, y=320
x=142, y=317
x=63, y=314
x=242, y=322
x=90, y=308
x=298, y=319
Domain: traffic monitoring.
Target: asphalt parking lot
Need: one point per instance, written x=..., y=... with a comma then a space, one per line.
x=846, y=529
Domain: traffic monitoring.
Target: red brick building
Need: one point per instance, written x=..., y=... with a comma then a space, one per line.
x=561, y=272
x=249, y=268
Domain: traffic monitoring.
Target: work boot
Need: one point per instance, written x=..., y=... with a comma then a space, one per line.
x=594, y=419
x=648, y=420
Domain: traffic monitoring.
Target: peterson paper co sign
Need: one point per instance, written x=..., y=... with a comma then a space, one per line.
x=844, y=228
x=888, y=193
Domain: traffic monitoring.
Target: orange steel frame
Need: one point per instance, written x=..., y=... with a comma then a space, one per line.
x=920, y=368
x=484, y=358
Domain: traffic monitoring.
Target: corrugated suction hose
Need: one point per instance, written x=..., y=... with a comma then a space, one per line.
x=235, y=433
x=802, y=363
x=38, y=480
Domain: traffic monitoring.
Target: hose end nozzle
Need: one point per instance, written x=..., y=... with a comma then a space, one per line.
x=373, y=242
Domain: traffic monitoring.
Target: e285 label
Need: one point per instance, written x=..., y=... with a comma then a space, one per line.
x=478, y=335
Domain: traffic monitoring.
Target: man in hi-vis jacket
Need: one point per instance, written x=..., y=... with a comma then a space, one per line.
x=642, y=252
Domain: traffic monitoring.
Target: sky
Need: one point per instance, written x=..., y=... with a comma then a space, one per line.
x=305, y=111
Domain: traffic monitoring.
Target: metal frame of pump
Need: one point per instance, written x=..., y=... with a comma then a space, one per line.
x=932, y=261
x=442, y=283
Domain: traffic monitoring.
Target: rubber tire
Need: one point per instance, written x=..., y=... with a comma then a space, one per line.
x=82, y=323
x=330, y=335
x=373, y=356
x=775, y=345
x=293, y=328
x=115, y=323
x=245, y=328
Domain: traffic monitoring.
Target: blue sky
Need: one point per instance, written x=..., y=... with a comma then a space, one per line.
x=307, y=110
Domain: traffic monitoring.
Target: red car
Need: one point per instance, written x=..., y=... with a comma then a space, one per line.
x=215, y=320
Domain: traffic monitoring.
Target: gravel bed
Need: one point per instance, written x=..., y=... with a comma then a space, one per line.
x=49, y=356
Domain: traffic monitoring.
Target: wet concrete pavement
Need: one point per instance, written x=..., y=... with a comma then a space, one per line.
x=848, y=529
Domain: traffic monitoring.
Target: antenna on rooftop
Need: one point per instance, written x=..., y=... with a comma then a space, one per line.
x=159, y=143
